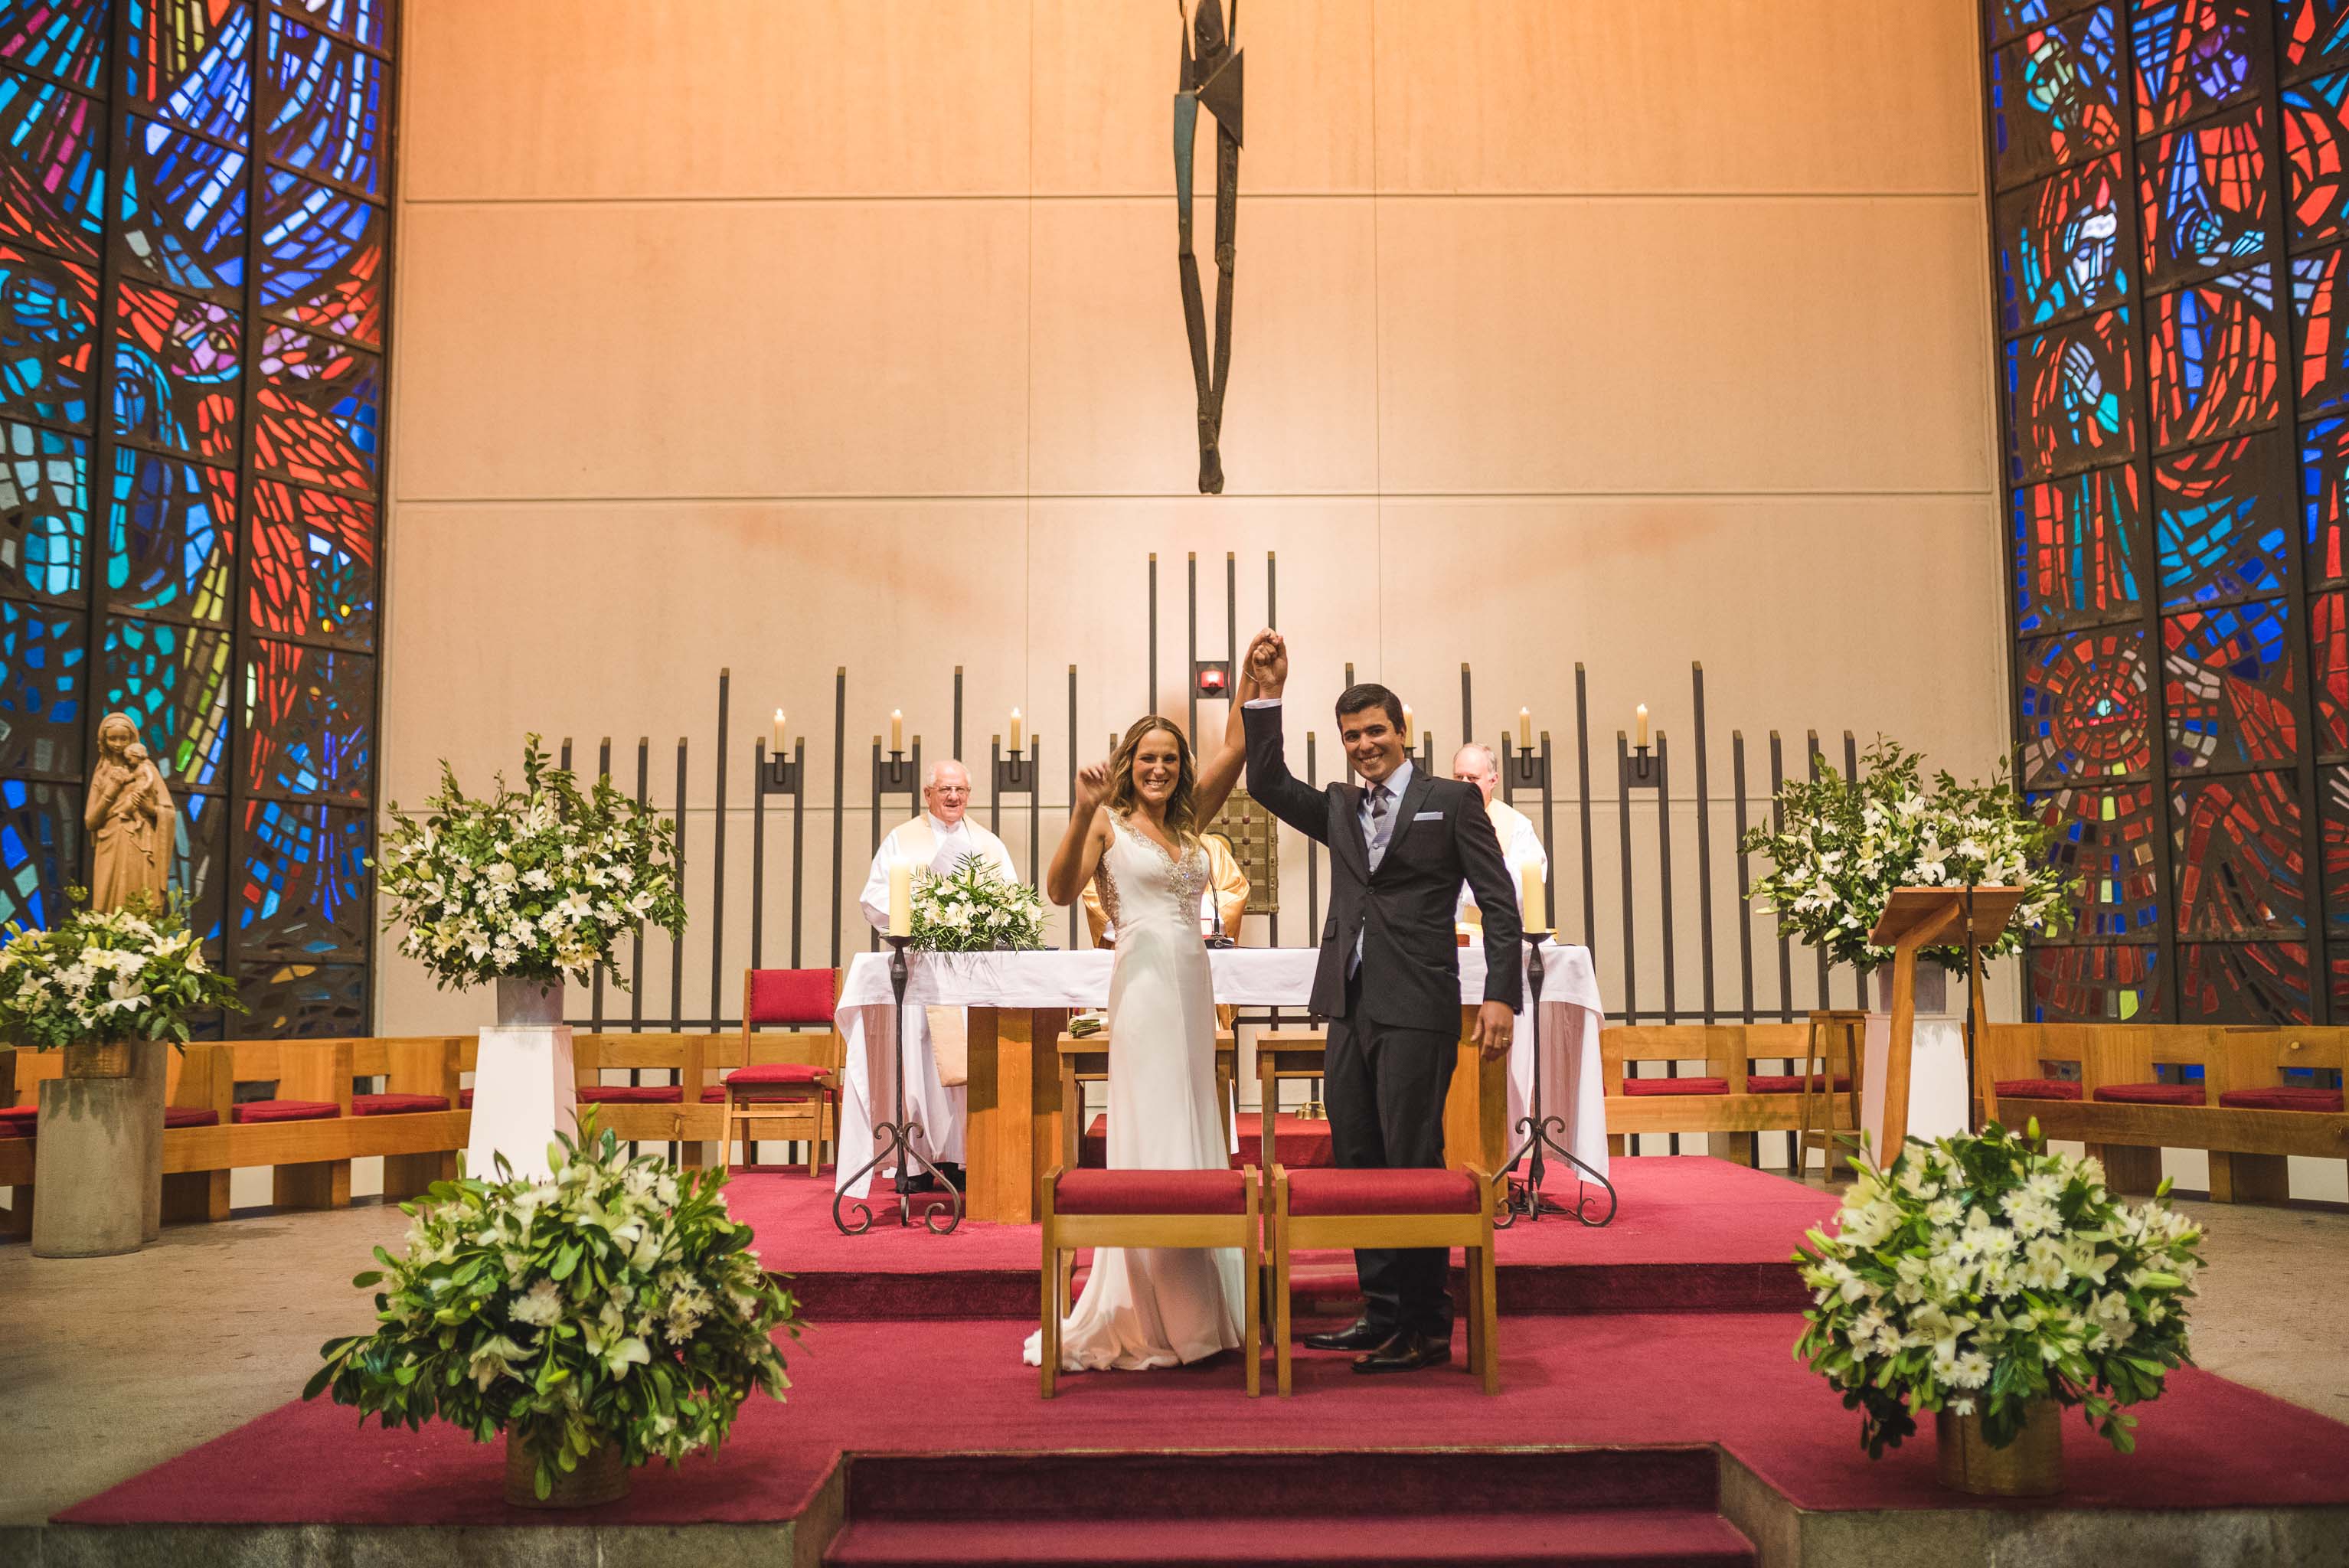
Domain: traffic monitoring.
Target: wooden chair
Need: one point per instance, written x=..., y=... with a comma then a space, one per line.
x=1150, y=1208
x=1332, y=1208
x=1085, y=1060
x=1284, y=1054
x=801, y=1095
x=1829, y=1068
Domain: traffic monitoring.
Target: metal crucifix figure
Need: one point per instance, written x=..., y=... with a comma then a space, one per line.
x=1211, y=75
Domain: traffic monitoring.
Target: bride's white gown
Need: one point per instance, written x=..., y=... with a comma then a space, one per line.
x=1156, y=1307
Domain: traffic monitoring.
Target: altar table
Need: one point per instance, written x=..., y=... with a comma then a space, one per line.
x=1020, y=1004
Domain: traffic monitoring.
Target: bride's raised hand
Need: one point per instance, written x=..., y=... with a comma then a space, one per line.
x=1093, y=785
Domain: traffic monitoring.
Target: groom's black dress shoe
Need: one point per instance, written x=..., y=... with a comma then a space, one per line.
x=1360, y=1335
x=1406, y=1353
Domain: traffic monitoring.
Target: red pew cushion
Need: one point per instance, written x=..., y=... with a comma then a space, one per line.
x=396, y=1104
x=190, y=1116
x=2038, y=1088
x=19, y=1120
x=1151, y=1193
x=1790, y=1083
x=1331, y=1190
x=284, y=1110
x=1640, y=1085
x=791, y=996
x=2280, y=1099
x=2151, y=1094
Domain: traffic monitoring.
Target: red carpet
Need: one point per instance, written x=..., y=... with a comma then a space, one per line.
x=1670, y=1379
x=1690, y=1234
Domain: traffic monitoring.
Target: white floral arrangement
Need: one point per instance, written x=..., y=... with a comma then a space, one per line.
x=1843, y=845
x=537, y=881
x=130, y=974
x=975, y=908
x=616, y=1302
x=1981, y=1275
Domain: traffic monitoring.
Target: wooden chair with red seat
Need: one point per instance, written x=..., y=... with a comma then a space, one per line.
x=1328, y=1207
x=1152, y=1209
x=805, y=1095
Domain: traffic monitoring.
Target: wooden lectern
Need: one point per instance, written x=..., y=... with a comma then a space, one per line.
x=1915, y=918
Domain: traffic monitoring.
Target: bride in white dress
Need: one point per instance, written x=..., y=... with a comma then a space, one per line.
x=1136, y=828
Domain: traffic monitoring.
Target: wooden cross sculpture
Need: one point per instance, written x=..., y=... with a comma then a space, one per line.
x=1211, y=75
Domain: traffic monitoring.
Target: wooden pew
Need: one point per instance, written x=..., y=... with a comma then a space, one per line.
x=1717, y=1101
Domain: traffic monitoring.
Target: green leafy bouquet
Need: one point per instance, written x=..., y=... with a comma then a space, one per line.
x=131, y=974
x=1979, y=1274
x=1846, y=843
x=615, y=1302
x=536, y=882
x=975, y=908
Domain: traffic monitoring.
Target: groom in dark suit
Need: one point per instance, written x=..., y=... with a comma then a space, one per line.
x=1400, y=844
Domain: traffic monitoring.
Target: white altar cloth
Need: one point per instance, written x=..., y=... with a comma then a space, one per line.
x=1245, y=977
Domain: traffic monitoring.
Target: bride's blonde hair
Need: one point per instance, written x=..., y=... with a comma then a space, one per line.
x=1181, y=806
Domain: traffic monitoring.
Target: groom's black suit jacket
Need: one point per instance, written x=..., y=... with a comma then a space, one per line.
x=1404, y=912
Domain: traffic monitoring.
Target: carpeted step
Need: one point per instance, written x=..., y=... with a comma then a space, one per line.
x=1596, y=1538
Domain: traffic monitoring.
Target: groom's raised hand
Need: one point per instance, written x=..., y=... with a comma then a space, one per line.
x=1267, y=663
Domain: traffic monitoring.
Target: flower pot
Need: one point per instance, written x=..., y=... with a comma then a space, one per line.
x=602, y=1477
x=2031, y=1466
x=99, y=1061
x=1932, y=989
x=526, y=1001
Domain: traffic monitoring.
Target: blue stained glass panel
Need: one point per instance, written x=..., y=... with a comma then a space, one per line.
x=48, y=316
x=170, y=529
x=323, y=113
x=308, y=730
x=2194, y=56
x=191, y=62
x=60, y=38
x=2056, y=96
x=2223, y=518
x=177, y=372
x=2205, y=197
x=303, y=890
x=199, y=862
x=43, y=512
x=174, y=680
x=322, y=258
x=52, y=167
x=43, y=680
x=367, y=21
x=40, y=849
x=2076, y=549
x=2232, y=678
x=2062, y=248
x=285, y=1000
x=183, y=203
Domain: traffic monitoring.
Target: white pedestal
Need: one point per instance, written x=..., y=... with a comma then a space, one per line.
x=522, y=1097
x=1937, y=1081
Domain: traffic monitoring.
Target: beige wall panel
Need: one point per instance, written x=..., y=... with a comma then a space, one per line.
x=1565, y=344
x=633, y=610
x=1866, y=613
x=1105, y=72
x=1678, y=96
x=1115, y=409
x=804, y=348
x=535, y=98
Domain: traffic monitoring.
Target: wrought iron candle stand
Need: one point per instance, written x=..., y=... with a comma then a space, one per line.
x=1014, y=775
x=1542, y=1131
x=776, y=774
x=896, y=1137
x=896, y=776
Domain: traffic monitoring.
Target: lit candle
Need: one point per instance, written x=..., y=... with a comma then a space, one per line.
x=1525, y=729
x=780, y=730
x=1406, y=721
x=901, y=901
x=1018, y=730
x=1643, y=726
x=1533, y=899
x=897, y=730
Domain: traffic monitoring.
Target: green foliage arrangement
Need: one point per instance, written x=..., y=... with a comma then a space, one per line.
x=131, y=974
x=974, y=909
x=1981, y=1275
x=615, y=1302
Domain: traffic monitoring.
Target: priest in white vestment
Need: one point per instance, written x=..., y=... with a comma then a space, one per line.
x=1521, y=846
x=937, y=841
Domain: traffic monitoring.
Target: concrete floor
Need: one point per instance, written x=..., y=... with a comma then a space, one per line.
x=110, y=1366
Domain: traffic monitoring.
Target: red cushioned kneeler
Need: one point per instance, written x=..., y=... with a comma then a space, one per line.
x=2038, y=1088
x=1331, y=1190
x=2151, y=1094
x=1773, y=1083
x=396, y=1104
x=1645, y=1085
x=2282, y=1098
x=285, y=1111
x=1151, y=1193
x=190, y=1116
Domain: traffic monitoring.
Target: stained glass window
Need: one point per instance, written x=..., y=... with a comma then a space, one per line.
x=2223, y=522
x=2062, y=248
x=2074, y=395
x=2107, y=836
x=2324, y=499
x=2311, y=34
x=2232, y=682
x=2244, y=983
x=2076, y=549
x=2204, y=191
x=2086, y=708
x=2238, y=847
x=193, y=269
x=2315, y=135
x=2057, y=95
x=2210, y=359
x=2193, y=56
x=2118, y=985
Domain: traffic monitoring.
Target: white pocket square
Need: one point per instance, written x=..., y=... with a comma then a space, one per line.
x=1429, y=817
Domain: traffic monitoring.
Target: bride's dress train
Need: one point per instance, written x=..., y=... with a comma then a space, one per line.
x=1156, y=1306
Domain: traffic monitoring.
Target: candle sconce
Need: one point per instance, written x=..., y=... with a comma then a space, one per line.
x=898, y=775
x=1015, y=776
x=1525, y=769
x=781, y=775
x=1642, y=768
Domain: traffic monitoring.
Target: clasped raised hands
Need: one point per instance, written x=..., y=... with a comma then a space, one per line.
x=1267, y=665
